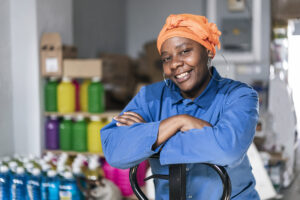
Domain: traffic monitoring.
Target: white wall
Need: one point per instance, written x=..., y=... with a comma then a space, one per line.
x=99, y=26
x=28, y=20
x=146, y=18
x=6, y=105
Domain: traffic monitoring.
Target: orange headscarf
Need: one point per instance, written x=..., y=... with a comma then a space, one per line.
x=190, y=26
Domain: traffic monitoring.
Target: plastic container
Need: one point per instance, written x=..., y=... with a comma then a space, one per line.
x=84, y=95
x=110, y=172
x=96, y=96
x=52, y=133
x=34, y=185
x=123, y=182
x=68, y=188
x=65, y=133
x=18, y=185
x=51, y=95
x=77, y=91
x=50, y=186
x=66, y=96
x=79, y=142
x=4, y=183
x=94, y=142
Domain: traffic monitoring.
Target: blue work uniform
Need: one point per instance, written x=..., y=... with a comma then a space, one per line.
x=231, y=107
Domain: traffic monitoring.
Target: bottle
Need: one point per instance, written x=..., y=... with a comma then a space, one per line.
x=77, y=91
x=18, y=185
x=51, y=95
x=96, y=96
x=68, y=189
x=94, y=142
x=4, y=182
x=51, y=186
x=34, y=185
x=65, y=133
x=79, y=135
x=110, y=172
x=84, y=95
x=52, y=133
x=66, y=96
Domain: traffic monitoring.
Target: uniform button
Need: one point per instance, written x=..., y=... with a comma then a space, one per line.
x=187, y=169
x=190, y=196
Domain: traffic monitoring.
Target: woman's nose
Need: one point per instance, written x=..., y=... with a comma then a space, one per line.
x=176, y=62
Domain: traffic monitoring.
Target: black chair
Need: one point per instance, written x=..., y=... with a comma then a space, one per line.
x=177, y=181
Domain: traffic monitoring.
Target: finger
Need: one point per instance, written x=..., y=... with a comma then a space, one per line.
x=135, y=114
x=126, y=120
x=130, y=117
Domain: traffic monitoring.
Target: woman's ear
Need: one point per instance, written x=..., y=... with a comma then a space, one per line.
x=210, y=54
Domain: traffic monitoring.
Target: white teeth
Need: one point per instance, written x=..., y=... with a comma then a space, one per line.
x=182, y=75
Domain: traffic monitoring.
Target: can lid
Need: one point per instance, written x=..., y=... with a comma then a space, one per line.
x=67, y=117
x=66, y=79
x=96, y=79
x=95, y=118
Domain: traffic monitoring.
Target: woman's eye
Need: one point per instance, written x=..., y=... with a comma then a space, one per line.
x=164, y=60
x=185, y=51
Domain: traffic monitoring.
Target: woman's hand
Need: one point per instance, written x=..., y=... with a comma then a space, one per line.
x=128, y=118
x=189, y=122
x=172, y=125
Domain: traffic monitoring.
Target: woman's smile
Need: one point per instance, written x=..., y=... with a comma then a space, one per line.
x=184, y=76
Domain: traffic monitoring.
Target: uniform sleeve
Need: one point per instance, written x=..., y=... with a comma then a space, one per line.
x=127, y=146
x=226, y=143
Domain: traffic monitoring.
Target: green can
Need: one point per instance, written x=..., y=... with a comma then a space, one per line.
x=96, y=96
x=51, y=95
x=65, y=133
x=79, y=142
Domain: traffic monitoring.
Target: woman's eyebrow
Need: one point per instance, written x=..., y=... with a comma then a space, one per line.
x=181, y=45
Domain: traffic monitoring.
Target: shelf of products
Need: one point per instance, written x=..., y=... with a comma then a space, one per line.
x=108, y=114
x=72, y=153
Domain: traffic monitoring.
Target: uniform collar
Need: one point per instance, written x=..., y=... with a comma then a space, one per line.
x=205, y=98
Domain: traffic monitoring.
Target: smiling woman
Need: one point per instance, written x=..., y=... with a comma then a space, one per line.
x=190, y=118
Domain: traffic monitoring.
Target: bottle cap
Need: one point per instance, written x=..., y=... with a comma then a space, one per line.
x=96, y=79
x=95, y=118
x=3, y=169
x=20, y=170
x=67, y=117
x=68, y=175
x=53, y=78
x=53, y=117
x=36, y=171
x=66, y=79
x=79, y=118
x=45, y=167
x=28, y=166
x=51, y=173
x=76, y=170
x=12, y=164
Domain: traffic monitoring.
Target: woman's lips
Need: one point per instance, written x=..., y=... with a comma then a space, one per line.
x=183, y=76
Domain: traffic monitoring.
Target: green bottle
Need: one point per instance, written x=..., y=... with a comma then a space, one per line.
x=65, y=133
x=51, y=95
x=79, y=135
x=96, y=96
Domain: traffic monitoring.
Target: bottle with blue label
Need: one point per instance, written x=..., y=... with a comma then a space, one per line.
x=4, y=182
x=34, y=185
x=68, y=189
x=18, y=184
x=50, y=186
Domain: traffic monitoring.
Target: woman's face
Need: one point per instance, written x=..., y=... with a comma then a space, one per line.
x=185, y=63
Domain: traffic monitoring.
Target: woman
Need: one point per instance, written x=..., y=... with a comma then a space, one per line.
x=193, y=117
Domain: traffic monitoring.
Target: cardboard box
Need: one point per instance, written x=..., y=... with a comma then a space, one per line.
x=83, y=68
x=52, y=53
